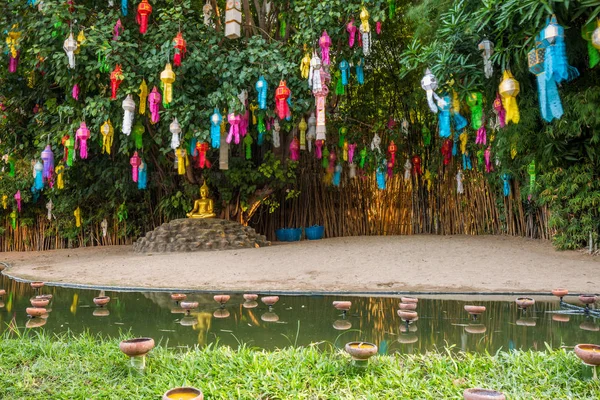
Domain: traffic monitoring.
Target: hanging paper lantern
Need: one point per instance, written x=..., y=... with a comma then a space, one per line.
x=305, y=66
x=416, y=165
x=281, y=95
x=311, y=133
x=549, y=99
x=376, y=143
x=203, y=161
x=233, y=19
x=314, y=77
x=325, y=43
x=167, y=77
x=38, y=171
x=70, y=45
x=143, y=12
x=49, y=208
x=447, y=151
x=143, y=97
x=207, y=13
x=182, y=161
x=392, y=149
x=276, y=134
x=77, y=214
x=444, y=116
x=429, y=84
x=261, y=87
x=351, y=150
x=360, y=73
x=509, y=89
x=351, y=28
x=12, y=40
x=459, y=182
x=488, y=160
x=380, y=175
x=248, y=146
x=117, y=30
x=234, y=129
x=215, y=128
x=180, y=46
x=365, y=31
x=154, y=99
x=295, y=149
x=135, y=162
x=104, y=227
x=466, y=161
x=345, y=69
x=47, y=157
x=138, y=133
x=407, y=169
x=107, y=132
x=175, y=129
x=116, y=77
x=75, y=92
x=18, y=199
x=463, y=138
x=59, y=170
x=587, y=32
x=124, y=7
x=499, y=111
x=142, y=175
x=302, y=127
x=82, y=135
x=475, y=103
x=129, y=110
x=556, y=64
x=69, y=143
x=487, y=49
x=596, y=37
x=531, y=172
x=13, y=219
x=506, y=184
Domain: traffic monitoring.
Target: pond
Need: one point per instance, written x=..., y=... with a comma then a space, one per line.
x=307, y=319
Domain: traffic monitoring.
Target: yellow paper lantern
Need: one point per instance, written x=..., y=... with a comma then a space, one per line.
x=509, y=89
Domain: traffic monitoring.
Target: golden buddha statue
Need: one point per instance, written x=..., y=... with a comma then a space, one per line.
x=203, y=207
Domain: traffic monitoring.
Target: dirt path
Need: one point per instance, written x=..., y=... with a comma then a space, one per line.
x=389, y=263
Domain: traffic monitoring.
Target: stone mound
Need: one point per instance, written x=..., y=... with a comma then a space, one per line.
x=199, y=235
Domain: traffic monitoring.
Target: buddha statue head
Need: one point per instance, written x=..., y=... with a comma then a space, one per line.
x=204, y=191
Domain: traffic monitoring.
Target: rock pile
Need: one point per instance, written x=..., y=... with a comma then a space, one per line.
x=188, y=234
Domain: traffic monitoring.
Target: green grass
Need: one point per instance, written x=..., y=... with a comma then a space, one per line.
x=90, y=367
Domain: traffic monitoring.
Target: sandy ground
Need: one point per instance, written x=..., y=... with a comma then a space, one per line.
x=358, y=264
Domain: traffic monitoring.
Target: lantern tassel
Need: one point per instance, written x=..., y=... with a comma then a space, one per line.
x=142, y=176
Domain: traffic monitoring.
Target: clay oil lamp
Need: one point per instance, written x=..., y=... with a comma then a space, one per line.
x=177, y=297
x=221, y=313
x=482, y=394
x=589, y=326
x=560, y=318
x=1, y=304
x=270, y=301
x=587, y=299
x=188, y=306
x=44, y=296
x=270, y=317
x=35, y=323
x=39, y=302
x=250, y=297
x=408, y=338
x=222, y=299
x=188, y=320
x=475, y=311
x=34, y=312
x=250, y=304
x=183, y=393
x=136, y=349
x=475, y=329
x=409, y=300
x=342, y=325
x=37, y=285
x=560, y=293
x=408, y=315
x=177, y=310
x=101, y=312
x=101, y=301
x=526, y=322
x=405, y=329
x=524, y=302
x=361, y=352
x=2, y=292
x=590, y=355
x=342, y=306
x=408, y=306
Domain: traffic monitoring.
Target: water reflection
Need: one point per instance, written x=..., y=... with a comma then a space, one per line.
x=301, y=320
